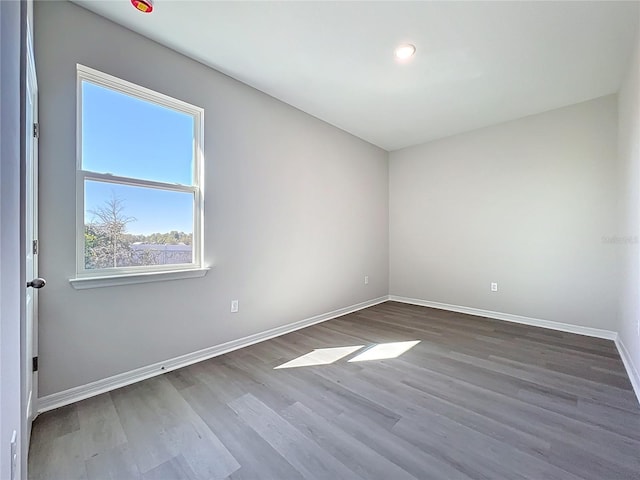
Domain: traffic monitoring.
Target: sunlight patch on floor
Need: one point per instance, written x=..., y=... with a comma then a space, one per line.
x=321, y=356
x=326, y=356
x=383, y=351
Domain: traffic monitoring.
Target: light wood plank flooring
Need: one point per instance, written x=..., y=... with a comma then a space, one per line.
x=475, y=399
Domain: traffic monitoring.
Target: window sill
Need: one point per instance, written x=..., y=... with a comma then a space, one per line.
x=82, y=283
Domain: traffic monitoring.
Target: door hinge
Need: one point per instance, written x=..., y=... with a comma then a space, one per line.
x=36, y=130
x=36, y=247
x=35, y=364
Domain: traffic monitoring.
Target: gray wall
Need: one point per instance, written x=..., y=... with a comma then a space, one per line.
x=11, y=291
x=629, y=151
x=296, y=212
x=525, y=204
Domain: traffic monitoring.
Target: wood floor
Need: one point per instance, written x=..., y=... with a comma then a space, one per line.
x=476, y=398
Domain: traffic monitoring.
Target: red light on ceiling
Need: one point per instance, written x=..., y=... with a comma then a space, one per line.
x=145, y=6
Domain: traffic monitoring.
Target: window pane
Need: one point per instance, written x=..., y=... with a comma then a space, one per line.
x=126, y=136
x=128, y=226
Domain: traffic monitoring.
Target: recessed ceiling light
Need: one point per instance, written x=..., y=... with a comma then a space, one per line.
x=144, y=6
x=404, y=51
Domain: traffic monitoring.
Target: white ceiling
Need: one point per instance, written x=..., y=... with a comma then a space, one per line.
x=477, y=63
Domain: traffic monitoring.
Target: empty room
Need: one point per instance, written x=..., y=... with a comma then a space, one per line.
x=285, y=240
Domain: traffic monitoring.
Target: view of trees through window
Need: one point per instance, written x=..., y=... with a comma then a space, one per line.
x=109, y=245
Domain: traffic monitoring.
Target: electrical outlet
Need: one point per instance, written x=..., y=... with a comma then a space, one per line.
x=366, y=279
x=494, y=287
x=14, y=455
x=234, y=306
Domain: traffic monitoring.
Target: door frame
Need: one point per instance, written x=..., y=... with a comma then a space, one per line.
x=29, y=220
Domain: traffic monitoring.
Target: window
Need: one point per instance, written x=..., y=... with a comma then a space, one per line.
x=139, y=182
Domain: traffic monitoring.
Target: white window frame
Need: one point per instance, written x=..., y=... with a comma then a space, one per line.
x=90, y=278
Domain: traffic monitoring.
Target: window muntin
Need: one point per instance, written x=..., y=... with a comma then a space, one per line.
x=139, y=179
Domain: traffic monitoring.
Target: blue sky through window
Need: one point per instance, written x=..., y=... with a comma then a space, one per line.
x=129, y=137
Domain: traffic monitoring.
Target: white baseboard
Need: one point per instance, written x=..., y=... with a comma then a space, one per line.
x=75, y=394
x=82, y=392
x=536, y=322
x=634, y=376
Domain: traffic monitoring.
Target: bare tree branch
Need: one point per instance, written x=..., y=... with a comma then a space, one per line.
x=109, y=248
